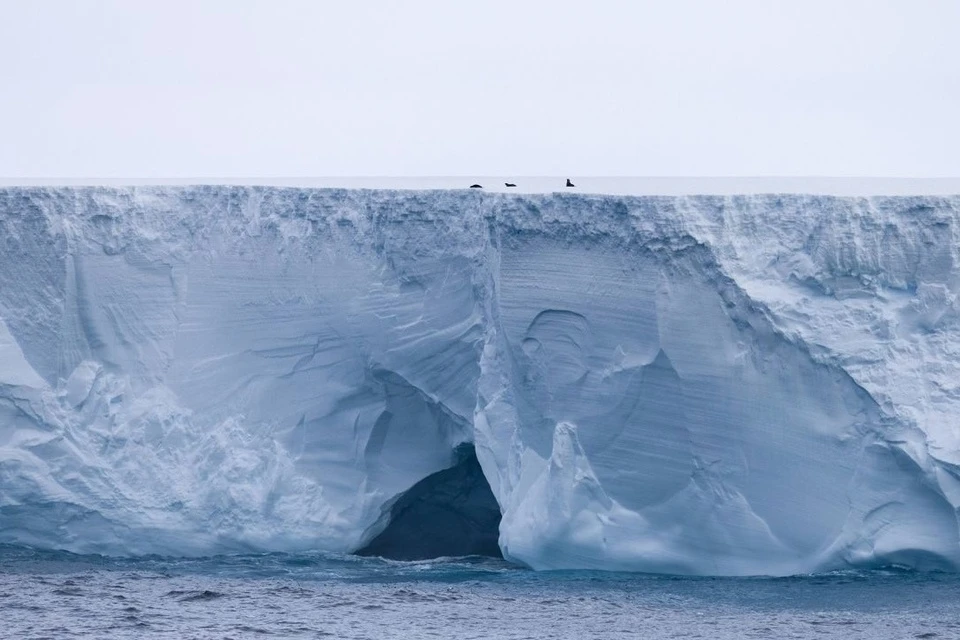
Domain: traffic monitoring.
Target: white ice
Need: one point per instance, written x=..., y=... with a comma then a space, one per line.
x=764, y=384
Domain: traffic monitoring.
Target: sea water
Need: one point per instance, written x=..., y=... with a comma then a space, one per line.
x=60, y=595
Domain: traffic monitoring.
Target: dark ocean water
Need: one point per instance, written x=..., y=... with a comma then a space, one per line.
x=59, y=595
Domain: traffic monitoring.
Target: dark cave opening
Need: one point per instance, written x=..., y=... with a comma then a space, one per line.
x=449, y=513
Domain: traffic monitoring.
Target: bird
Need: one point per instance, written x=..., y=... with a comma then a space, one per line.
x=476, y=186
x=509, y=184
x=570, y=184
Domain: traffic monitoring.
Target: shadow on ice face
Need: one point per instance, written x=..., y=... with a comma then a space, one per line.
x=449, y=513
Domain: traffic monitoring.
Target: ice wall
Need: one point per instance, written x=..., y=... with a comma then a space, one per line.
x=708, y=385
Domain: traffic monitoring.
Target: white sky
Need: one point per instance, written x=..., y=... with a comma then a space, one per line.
x=567, y=87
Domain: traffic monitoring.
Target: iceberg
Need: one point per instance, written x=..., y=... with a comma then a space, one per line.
x=707, y=385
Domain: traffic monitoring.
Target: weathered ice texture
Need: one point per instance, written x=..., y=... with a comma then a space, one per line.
x=701, y=385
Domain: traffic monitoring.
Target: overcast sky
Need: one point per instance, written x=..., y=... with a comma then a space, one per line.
x=247, y=88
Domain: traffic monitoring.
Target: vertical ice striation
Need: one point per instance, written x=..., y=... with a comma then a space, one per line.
x=705, y=385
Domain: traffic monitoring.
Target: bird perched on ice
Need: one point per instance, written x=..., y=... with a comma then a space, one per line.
x=570, y=184
x=509, y=184
x=476, y=186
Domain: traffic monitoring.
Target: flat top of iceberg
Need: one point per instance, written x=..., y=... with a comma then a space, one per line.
x=666, y=186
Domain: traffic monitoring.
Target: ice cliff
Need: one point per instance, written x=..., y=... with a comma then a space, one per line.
x=700, y=385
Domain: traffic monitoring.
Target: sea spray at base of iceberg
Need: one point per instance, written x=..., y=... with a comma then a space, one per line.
x=703, y=385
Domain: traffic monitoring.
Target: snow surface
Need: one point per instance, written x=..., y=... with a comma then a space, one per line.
x=763, y=384
x=616, y=185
